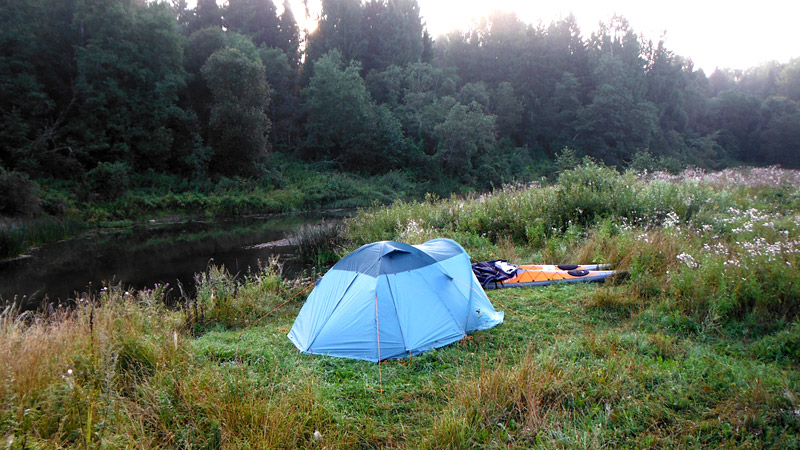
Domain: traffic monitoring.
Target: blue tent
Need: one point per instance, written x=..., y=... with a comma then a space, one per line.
x=390, y=300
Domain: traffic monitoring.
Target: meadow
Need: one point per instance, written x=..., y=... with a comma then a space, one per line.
x=698, y=347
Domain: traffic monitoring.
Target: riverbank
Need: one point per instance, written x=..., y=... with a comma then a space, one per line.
x=167, y=250
x=60, y=208
x=698, y=347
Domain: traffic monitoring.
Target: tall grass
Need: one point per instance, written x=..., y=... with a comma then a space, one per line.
x=119, y=370
x=319, y=243
x=696, y=348
x=716, y=250
x=19, y=235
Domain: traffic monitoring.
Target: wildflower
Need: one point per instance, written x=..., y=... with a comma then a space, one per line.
x=687, y=259
x=671, y=220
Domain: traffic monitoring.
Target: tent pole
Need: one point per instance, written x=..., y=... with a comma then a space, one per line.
x=378, y=326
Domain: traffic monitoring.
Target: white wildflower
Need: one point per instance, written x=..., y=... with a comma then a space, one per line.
x=687, y=259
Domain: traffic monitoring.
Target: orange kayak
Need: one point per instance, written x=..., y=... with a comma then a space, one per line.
x=540, y=275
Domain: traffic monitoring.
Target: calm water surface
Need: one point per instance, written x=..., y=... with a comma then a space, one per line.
x=143, y=255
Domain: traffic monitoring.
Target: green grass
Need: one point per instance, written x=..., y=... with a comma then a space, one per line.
x=16, y=236
x=697, y=348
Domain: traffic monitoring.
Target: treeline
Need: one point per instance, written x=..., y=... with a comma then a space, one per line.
x=101, y=89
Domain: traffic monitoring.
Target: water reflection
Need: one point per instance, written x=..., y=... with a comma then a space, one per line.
x=144, y=255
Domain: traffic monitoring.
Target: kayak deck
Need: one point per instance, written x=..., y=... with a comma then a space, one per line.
x=499, y=274
x=545, y=277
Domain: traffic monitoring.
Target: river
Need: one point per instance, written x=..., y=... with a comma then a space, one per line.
x=142, y=255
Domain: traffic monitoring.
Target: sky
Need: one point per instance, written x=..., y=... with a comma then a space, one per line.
x=730, y=34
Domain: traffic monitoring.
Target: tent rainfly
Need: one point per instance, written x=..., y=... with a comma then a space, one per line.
x=390, y=300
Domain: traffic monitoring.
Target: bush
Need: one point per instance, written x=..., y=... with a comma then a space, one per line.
x=643, y=161
x=567, y=159
x=19, y=195
x=319, y=243
x=228, y=301
x=110, y=180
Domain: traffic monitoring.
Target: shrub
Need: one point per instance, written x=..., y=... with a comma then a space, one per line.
x=110, y=180
x=229, y=301
x=643, y=162
x=19, y=195
x=567, y=159
x=319, y=243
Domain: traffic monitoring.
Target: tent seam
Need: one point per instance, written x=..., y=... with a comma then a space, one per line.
x=332, y=310
x=396, y=313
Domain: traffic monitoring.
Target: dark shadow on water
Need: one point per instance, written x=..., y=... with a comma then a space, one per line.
x=141, y=256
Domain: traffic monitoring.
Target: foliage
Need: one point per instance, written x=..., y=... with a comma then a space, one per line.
x=129, y=70
x=88, y=82
x=17, y=236
x=109, y=180
x=320, y=243
x=238, y=121
x=19, y=195
x=343, y=122
x=467, y=137
x=567, y=159
x=229, y=301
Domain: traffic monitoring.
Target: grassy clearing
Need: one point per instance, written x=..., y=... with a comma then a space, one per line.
x=698, y=347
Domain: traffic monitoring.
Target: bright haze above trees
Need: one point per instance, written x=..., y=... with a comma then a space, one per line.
x=713, y=34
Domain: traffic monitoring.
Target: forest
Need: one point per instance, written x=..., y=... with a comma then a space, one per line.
x=99, y=97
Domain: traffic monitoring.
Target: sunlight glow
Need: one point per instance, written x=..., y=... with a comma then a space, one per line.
x=712, y=33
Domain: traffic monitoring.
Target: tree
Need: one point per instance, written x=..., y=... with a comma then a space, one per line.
x=427, y=96
x=493, y=51
x=762, y=80
x=465, y=136
x=284, y=109
x=508, y=108
x=289, y=33
x=37, y=72
x=257, y=19
x=238, y=121
x=339, y=28
x=337, y=104
x=666, y=77
x=206, y=14
x=735, y=115
x=129, y=74
x=387, y=86
x=780, y=132
x=696, y=94
x=722, y=80
x=618, y=121
x=394, y=33
x=566, y=104
x=789, y=80
x=196, y=98
x=344, y=125
x=474, y=92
